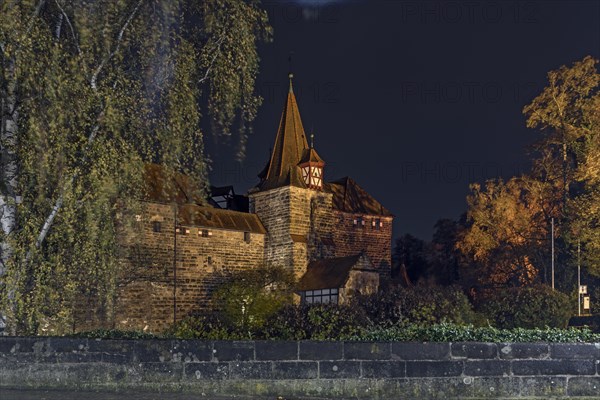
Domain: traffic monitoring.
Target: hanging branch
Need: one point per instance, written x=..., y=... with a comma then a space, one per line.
x=111, y=54
x=68, y=20
x=35, y=13
x=212, y=61
x=91, y=138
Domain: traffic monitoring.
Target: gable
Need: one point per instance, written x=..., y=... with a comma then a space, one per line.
x=351, y=198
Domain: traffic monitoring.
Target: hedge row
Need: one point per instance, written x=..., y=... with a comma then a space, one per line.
x=410, y=333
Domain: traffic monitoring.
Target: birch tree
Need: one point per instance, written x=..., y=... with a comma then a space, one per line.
x=90, y=92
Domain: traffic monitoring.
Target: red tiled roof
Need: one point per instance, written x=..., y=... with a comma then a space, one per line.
x=209, y=217
x=191, y=207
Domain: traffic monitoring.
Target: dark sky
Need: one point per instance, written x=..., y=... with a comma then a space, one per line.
x=414, y=100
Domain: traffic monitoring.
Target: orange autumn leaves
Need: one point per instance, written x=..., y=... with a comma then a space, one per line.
x=507, y=234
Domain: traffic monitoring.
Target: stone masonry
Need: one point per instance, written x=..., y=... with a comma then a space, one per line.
x=305, y=369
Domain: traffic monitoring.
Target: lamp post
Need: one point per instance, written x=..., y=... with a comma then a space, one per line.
x=175, y=264
x=552, y=253
x=579, y=278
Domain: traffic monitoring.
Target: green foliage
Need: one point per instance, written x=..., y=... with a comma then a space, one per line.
x=469, y=333
x=209, y=327
x=90, y=91
x=116, y=334
x=528, y=307
x=419, y=305
x=315, y=322
x=249, y=297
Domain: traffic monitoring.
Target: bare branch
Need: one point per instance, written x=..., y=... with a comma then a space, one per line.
x=66, y=16
x=35, y=13
x=212, y=61
x=94, y=79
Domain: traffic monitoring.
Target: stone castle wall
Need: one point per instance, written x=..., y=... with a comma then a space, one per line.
x=301, y=225
x=351, y=238
x=145, y=297
x=304, y=369
x=273, y=209
x=288, y=214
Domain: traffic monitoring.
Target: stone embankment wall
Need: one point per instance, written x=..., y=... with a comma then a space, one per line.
x=305, y=369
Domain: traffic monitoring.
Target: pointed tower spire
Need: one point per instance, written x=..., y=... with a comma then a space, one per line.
x=288, y=149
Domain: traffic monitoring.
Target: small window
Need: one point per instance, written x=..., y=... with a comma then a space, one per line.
x=182, y=231
x=247, y=237
x=156, y=226
x=377, y=224
x=323, y=296
x=204, y=233
x=359, y=222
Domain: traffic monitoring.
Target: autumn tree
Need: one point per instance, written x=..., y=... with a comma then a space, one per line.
x=508, y=231
x=567, y=114
x=90, y=91
x=509, y=222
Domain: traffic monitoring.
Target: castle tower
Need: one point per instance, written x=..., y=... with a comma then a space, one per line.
x=289, y=191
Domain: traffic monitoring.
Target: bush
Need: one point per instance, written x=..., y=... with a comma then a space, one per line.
x=316, y=322
x=469, y=333
x=526, y=307
x=249, y=297
x=419, y=305
x=207, y=326
x=115, y=334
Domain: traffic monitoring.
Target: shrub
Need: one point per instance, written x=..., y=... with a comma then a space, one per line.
x=210, y=326
x=419, y=305
x=469, y=333
x=116, y=334
x=249, y=297
x=317, y=322
x=526, y=307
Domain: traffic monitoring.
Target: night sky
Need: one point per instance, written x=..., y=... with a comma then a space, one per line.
x=414, y=100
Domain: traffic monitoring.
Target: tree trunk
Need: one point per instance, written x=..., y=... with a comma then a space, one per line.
x=8, y=163
x=9, y=169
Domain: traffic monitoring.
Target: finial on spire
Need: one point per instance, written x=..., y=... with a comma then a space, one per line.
x=290, y=74
x=312, y=140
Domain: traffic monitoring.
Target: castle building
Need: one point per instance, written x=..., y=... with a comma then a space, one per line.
x=333, y=235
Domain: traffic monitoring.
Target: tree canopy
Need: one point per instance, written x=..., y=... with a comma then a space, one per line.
x=509, y=223
x=90, y=91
